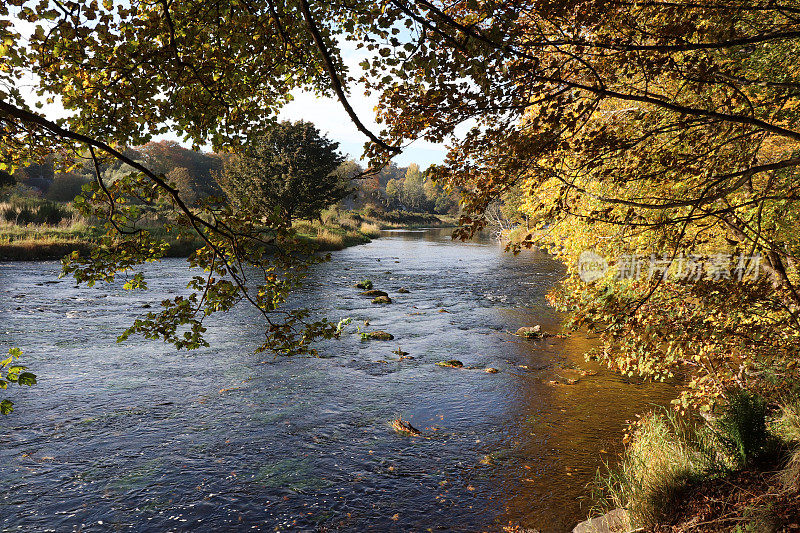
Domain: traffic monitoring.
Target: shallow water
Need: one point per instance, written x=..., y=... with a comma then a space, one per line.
x=137, y=436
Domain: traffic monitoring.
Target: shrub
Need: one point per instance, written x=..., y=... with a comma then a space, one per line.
x=25, y=216
x=9, y=213
x=51, y=214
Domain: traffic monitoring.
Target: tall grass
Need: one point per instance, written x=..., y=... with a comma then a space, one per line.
x=36, y=212
x=787, y=427
x=658, y=464
x=370, y=229
x=667, y=454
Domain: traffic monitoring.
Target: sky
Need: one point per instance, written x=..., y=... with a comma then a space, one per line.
x=331, y=119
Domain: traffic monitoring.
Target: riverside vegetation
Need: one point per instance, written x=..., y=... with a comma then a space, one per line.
x=27, y=235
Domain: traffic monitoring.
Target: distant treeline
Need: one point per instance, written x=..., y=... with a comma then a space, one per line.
x=194, y=173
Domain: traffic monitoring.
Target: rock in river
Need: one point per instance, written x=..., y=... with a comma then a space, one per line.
x=452, y=363
x=379, y=335
x=374, y=293
x=382, y=300
x=530, y=332
x=401, y=426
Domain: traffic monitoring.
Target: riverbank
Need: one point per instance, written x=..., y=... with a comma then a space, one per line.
x=738, y=471
x=336, y=231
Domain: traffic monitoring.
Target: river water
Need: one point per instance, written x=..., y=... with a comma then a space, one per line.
x=139, y=437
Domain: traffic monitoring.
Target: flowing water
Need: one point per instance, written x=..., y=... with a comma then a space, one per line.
x=139, y=437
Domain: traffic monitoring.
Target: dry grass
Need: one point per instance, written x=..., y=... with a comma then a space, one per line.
x=328, y=240
x=735, y=473
x=790, y=475
x=370, y=229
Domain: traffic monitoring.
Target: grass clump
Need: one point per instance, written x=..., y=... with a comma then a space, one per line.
x=787, y=427
x=668, y=457
x=42, y=213
x=660, y=461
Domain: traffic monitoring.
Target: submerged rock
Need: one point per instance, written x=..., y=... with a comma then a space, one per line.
x=403, y=290
x=490, y=370
x=374, y=293
x=452, y=363
x=382, y=300
x=401, y=426
x=378, y=335
x=531, y=332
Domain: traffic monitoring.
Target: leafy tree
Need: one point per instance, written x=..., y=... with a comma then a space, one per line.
x=183, y=181
x=290, y=171
x=413, y=193
x=164, y=157
x=392, y=190
x=633, y=129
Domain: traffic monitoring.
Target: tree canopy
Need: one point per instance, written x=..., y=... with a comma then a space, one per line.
x=292, y=170
x=631, y=128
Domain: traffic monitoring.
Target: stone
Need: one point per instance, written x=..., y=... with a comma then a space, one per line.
x=374, y=293
x=401, y=426
x=379, y=335
x=530, y=332
x=614, y=521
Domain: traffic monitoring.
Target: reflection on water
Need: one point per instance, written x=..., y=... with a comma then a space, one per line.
x=139, y=437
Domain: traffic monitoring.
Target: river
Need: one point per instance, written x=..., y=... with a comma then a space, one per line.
x=140, y=437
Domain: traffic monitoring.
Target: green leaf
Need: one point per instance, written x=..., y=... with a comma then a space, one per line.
x=27, y=378
x=6, y=406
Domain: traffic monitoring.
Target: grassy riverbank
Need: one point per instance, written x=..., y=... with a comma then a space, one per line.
x=338, y=229
x=738, y=471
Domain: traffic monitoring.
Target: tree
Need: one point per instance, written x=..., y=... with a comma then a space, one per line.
x=182, y=179
x=164, y=157
x=413, y=193
x=127, y=72
x=634, y=130
x=65, y=187
x=291, y=170
x=392, y=190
